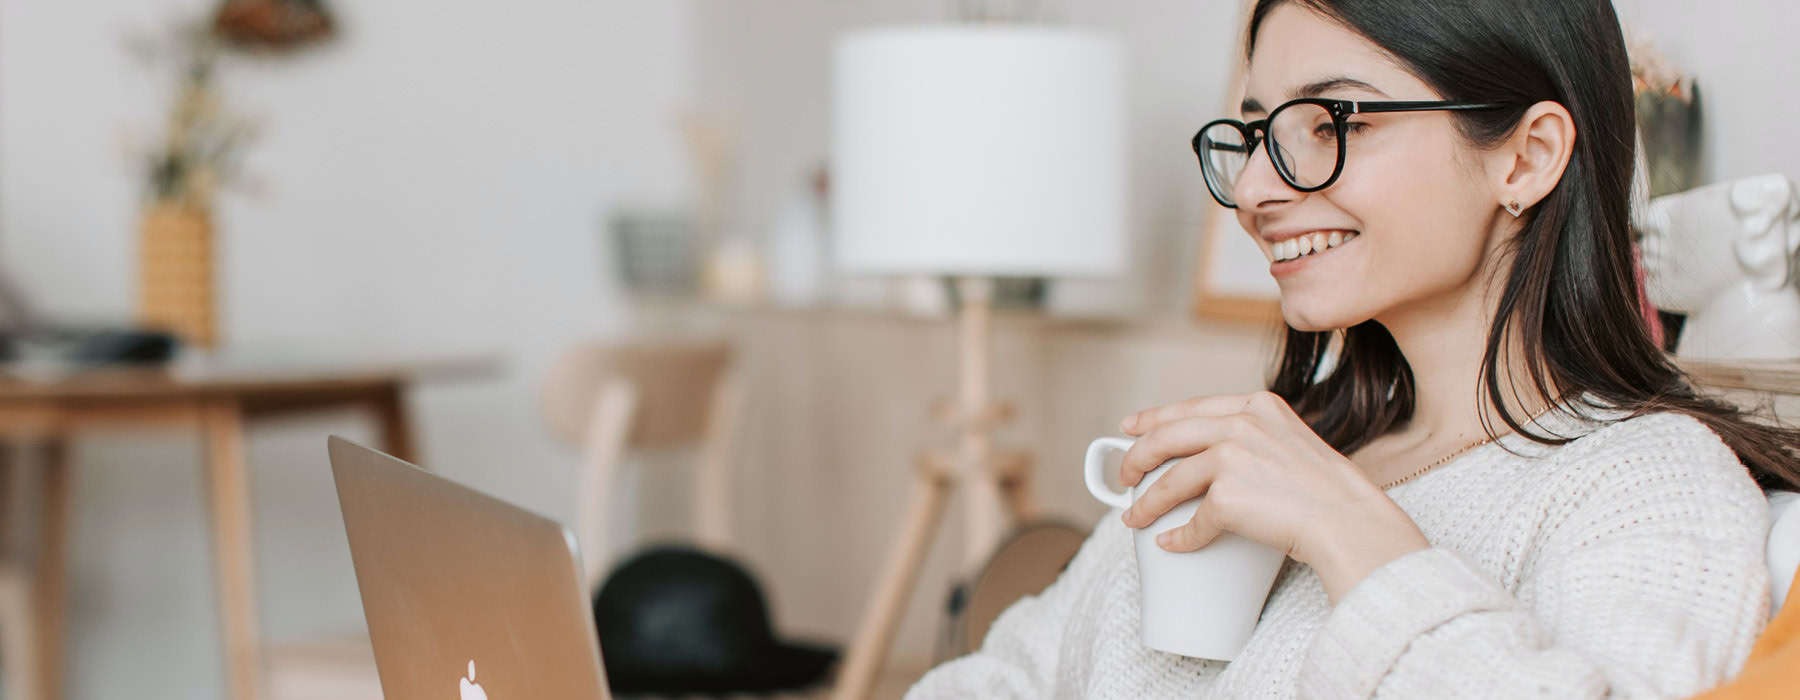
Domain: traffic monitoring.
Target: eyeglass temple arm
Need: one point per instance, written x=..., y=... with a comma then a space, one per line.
x=1414, y=106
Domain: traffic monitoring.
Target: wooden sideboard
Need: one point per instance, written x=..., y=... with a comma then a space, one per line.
x=840, y=404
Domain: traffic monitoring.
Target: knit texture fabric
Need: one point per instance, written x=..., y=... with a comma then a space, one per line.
x=1627, y=563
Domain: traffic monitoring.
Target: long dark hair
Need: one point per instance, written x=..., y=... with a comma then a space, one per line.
x=1571, y=293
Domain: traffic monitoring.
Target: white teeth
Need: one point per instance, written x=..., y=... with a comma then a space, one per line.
x=1311, y=243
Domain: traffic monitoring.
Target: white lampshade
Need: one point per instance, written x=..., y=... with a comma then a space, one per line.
x=978, y=151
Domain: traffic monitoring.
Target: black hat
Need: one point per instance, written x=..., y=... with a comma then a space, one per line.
x=675, y=619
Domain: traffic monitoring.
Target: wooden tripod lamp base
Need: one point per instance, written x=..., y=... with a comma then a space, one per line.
x=998, y=484
x=996, y=207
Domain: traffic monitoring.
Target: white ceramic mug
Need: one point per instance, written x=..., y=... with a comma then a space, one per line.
x=1203, y=603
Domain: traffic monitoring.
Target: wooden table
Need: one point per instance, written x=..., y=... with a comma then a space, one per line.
x=216, y=397
x=1771, y=376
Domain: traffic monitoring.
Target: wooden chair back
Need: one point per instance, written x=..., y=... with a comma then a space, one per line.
x=675, y=383
x=607, y=398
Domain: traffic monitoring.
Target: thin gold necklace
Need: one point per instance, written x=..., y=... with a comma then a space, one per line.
x=1446, y=458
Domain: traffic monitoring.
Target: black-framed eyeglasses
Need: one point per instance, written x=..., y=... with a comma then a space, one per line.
x=1304, y=138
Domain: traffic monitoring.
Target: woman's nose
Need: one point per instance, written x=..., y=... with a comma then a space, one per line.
x=1259, y=184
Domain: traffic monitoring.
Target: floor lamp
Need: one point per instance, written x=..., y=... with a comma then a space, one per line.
x=971, y=152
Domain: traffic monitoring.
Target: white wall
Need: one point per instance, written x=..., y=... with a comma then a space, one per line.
x=436, y=179
x=1744, y=59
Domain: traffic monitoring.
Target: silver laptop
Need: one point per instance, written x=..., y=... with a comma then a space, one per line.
x=467, y=597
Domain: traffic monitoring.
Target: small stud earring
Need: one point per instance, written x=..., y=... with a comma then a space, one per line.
x=1513, y=208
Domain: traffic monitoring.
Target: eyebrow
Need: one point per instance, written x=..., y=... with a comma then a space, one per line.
x=1314, y=89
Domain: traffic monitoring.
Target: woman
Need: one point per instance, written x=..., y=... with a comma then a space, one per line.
x=1489, y=481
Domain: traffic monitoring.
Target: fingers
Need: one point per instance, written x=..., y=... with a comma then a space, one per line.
x=1188, y=436
x=1185, y=481
x=1260, y=402
x=1148, y=419
x=1197, y=532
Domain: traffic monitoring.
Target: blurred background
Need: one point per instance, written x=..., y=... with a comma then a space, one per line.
x=449, y=196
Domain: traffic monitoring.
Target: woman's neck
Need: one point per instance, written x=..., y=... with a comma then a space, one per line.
x=1444, y=344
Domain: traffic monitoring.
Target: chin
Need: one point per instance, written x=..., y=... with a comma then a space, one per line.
x=1315, y=318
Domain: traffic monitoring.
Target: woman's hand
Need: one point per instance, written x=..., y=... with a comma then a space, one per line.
x=1266, y=476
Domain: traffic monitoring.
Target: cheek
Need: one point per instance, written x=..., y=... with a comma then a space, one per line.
x=1424, y=218
x=1422, y=214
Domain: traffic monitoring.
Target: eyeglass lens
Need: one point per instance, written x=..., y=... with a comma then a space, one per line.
x=1303, y=139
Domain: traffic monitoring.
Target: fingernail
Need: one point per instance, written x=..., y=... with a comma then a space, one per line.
x=1164, y=539
x=1126, y=425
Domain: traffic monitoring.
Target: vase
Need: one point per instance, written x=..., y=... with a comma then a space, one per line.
x=177, y=289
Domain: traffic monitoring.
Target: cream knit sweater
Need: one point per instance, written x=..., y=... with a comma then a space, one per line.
x=1628, y=563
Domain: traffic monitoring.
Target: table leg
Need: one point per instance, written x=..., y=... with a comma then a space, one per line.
x=396, y=430
x=16, y=640
x=229, y=495
x=11, y=502
x=50, y=587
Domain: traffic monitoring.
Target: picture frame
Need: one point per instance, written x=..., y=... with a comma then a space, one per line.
x=1231, y=279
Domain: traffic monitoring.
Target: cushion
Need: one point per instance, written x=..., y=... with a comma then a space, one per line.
x=1784, y=544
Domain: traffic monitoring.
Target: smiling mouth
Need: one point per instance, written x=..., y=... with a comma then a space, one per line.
x=1310, y=244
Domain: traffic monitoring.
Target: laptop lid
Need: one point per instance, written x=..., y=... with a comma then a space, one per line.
x=466, y=596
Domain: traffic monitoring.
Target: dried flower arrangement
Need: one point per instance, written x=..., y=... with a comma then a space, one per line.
x=1668, y=118
x=201, y=142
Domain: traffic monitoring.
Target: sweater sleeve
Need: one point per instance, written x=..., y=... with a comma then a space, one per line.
x=1018, y=658
x=1650, y=582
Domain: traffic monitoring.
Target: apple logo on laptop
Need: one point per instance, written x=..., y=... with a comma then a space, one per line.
x=470, y=689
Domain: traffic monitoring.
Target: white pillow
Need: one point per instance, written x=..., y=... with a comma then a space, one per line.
x=1784, y=544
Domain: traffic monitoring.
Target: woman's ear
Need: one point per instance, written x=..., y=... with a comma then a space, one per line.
x=1529, y=163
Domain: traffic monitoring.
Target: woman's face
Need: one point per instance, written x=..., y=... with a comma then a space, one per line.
x=1411, y=203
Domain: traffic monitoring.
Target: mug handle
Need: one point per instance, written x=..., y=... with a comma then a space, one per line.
x=1096, y=481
